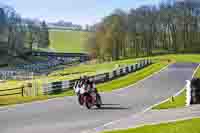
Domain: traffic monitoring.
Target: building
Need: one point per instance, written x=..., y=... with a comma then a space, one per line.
x=188, y=3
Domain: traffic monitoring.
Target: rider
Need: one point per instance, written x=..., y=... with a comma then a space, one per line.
x=93, y=91
x=91, y=85
x=78, y=84
x=85, y=86
x=87, y=83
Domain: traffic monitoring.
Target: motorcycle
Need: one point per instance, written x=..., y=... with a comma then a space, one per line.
x=88, y=97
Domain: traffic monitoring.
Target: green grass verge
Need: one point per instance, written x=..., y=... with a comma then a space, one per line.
x=179, y=101
x=186, y=126
x=94, y=68
x=192, y=58
x=68, y=41
x=97, y=68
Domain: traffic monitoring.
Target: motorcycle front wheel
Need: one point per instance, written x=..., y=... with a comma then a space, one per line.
x=81, y=99
x=88, y=102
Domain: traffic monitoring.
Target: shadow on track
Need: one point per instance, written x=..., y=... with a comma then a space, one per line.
x=111, y=107
x=109, y=104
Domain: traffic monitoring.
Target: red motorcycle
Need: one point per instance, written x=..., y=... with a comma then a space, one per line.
x=89, y=98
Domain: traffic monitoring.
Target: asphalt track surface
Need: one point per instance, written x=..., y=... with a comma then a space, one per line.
x=64, y=115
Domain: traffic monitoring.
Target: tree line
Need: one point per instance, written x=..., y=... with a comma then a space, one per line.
x=19, y=35
x=168, y=28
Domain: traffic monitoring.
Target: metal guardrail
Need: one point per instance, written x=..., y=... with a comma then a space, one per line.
x=29, y=89
x=20, y=91
x=49, y=88
x=66, y=85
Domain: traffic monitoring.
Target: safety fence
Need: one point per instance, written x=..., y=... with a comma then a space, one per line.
x=27, y=89
x=12, y=91
x=56, y=87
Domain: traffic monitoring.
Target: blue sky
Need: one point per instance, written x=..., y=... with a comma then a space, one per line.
x=78, y=11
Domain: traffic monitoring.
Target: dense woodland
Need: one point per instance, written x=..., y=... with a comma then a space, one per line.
x=168, y=28
x=18, y=36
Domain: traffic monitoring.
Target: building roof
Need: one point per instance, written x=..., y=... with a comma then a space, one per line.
x=189, y=3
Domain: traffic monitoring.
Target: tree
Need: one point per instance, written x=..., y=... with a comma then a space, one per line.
x=115, y=28
x=44, y=36
x=2, y=21
x=15, y=31
x=30, y=34
x=148, y=29
x=20, y=34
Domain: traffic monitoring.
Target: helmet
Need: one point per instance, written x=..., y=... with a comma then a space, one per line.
x=84, y=76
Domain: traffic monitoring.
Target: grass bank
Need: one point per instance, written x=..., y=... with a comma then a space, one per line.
x=179, y=101
x=183, y=58
x=68, y=41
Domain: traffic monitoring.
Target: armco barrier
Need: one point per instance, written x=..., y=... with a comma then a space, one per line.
x=56, y=87
x=12, y=91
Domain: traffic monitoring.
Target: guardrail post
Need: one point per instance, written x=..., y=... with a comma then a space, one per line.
x=22, y=91
x=136, y=67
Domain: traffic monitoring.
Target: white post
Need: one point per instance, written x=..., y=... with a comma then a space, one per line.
x=124, y=70
x=134, y=67
x=65, y=84
x=110, y=75
x=188, y=93
x=129, y=69
x=118, y=72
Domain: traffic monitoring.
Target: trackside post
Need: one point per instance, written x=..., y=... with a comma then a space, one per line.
x=22, y=91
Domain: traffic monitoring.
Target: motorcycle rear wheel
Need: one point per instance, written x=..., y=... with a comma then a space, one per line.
x=99, y=101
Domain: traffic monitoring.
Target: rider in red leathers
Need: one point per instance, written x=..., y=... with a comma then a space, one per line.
x=89, y=85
